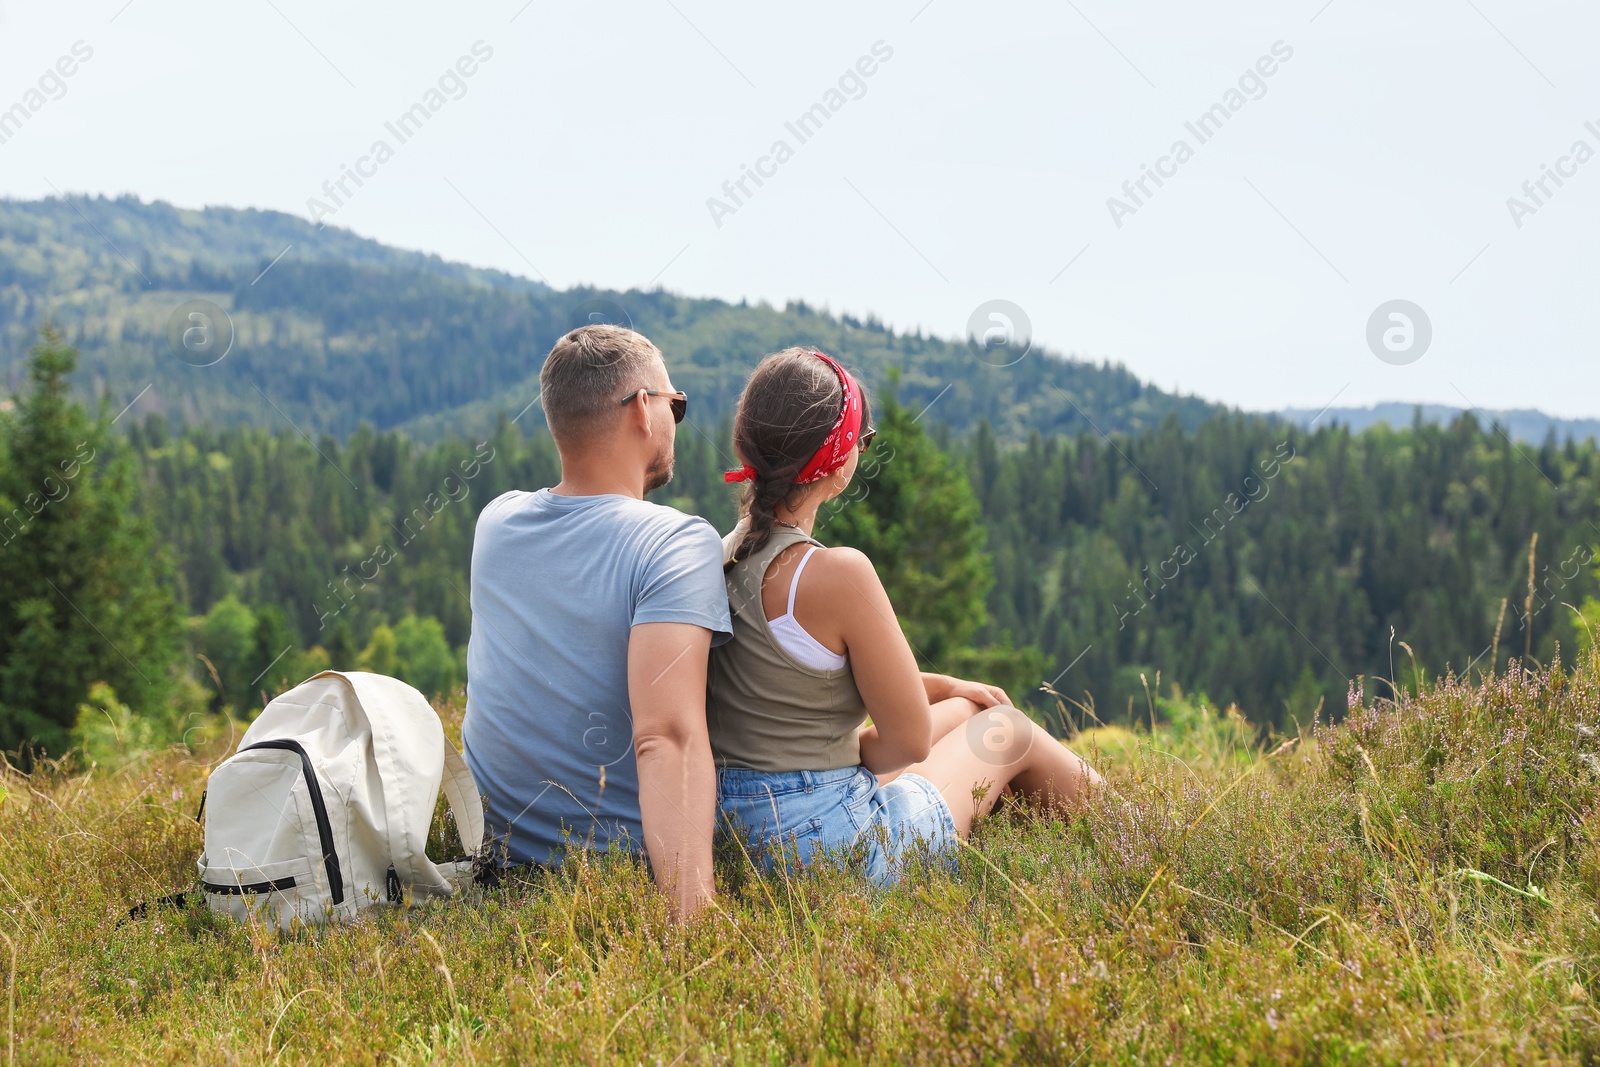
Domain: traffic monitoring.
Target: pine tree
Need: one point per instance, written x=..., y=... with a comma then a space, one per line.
x=227, y=639
x=912, y=512
x=84, y=598
x=272, y=667
x=423, y=655
x=343, y=651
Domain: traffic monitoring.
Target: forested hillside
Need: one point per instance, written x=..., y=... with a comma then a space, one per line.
x=313, y=494
x=1267, y=566
x=1259, y=565
x=342, y=330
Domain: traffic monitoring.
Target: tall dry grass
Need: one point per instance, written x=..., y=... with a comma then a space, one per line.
x=1415, y=885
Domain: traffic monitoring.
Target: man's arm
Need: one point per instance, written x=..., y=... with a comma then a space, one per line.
x=677, y=780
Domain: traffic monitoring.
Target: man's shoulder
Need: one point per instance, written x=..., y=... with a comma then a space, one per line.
x=669, y=516
x=504, y=503
x=649, y=524
x=674, y=526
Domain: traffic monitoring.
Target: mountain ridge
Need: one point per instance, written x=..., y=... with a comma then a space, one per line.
x=331, y=330
x=1526, y=425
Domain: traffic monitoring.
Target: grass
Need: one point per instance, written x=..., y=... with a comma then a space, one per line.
x=1415, y=885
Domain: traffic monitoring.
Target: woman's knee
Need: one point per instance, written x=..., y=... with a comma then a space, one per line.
x=1001, y=735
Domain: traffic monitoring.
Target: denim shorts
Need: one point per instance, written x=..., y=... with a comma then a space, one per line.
x=792, y=816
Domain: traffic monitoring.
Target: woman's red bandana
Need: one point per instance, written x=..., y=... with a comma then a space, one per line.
x=841, y=440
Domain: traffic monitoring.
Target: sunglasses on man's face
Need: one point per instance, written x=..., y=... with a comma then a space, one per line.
x=679, y=401
x=866, y=438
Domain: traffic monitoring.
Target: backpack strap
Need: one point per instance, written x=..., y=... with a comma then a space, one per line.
x=461, y=792
x=397, y=751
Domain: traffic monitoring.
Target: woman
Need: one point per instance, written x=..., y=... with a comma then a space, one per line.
x=816, y=649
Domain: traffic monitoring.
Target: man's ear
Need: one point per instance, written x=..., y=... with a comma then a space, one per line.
x=637, y=414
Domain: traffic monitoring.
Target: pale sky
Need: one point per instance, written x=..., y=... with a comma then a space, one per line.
x=974, y=163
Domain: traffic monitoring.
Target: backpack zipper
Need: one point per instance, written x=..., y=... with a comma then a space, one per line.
x=330, y=858
x=276, y=885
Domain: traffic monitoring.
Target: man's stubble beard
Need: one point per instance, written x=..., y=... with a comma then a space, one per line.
x=659, y=472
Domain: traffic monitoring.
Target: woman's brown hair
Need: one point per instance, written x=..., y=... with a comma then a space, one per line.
x=786, y=411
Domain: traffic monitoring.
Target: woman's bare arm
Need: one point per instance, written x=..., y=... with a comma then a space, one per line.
x=943, y=687
x=946, y=715
x=845, y=599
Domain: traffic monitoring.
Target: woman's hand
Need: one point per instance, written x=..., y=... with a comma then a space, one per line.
x=943, y=687
x=985, y=696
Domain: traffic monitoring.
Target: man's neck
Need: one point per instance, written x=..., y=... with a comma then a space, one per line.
x=598, y=476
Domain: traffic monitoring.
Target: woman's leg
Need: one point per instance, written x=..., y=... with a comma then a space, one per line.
x=948, y=715
x=951, y=714
x=1000, y=747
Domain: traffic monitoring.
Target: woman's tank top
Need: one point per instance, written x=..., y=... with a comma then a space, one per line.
x=767, y=710
x=796, y=639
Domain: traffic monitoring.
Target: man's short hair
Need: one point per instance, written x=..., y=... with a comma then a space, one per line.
x=587, y=374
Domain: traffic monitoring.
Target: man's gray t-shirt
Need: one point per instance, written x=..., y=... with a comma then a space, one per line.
x=557, y=584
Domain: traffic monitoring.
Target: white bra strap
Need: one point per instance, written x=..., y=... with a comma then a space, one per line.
x=795, y=582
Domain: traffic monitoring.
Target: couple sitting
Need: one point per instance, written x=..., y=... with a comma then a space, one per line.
x=612, y=698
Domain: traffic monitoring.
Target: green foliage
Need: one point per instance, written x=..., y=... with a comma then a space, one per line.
x=1016, y=670
x=1589, y=625
x=302, y=664
x=107, y=730
x=1415, y=885
x=382, y=655
x=84, y=598
x=227, y=638
x=273, y=521
x=112, y=735
x=1273, y=608
x=251, y=655
x=423, y=655
x=342, y=651
x=1267, y=566
x=415, y=651
x=273, y=647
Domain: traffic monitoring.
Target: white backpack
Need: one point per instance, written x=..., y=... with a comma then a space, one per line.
x=324, y=809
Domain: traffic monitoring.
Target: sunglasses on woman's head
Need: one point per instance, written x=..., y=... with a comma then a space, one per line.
x=679, y=401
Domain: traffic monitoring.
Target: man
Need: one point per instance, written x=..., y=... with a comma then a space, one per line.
x=593, y=614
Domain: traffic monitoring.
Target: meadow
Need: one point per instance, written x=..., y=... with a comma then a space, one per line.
x=1416, y=884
